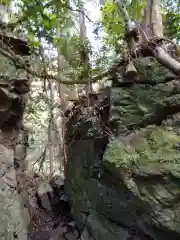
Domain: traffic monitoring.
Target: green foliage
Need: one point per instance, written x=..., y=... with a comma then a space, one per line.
x=113, y=21
x=6, y=2
x=41, y=19
x=171, y=19
x=136, y=9
x=69, y=48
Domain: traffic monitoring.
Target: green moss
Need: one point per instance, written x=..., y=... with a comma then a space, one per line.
x=120, y=154
x=153, y=145
x=132, y=103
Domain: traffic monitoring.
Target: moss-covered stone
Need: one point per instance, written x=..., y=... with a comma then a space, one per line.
x=153, y=145
x=136, y=187
x=138, y=182
x=152, y=159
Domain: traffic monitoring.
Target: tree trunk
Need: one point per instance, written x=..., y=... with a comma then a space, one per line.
x=62, y=103
x=153, y=20
x=84, y=52
x=142, y=40
x=166, y=60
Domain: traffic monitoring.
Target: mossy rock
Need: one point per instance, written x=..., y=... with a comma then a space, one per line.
x=131, y=104
x=152, y=145
x=148, y=162
x=139, y=183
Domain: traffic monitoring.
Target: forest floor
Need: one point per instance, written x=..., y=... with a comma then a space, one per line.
x=56, y=224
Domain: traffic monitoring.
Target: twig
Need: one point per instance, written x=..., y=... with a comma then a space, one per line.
x=78, y=10
x=42, y=155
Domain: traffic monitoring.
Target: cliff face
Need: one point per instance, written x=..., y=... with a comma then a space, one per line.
x=14, y=88
x=127, y=187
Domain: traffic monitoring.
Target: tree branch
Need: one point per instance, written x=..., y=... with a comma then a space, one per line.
x=20, y=63
x=78, y=10
x=25, y=17
x=166, y=60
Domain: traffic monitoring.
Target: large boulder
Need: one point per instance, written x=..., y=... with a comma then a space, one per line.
x=136, y=187
x=126, y=185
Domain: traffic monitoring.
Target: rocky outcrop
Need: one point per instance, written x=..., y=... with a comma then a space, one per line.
x=14, y=216
x=123, y=177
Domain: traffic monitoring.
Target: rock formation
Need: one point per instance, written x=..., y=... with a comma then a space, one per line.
x=123, y=162
x=14, y=215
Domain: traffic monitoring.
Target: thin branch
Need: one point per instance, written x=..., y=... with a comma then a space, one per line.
x=78, y=10
x=42, y=156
